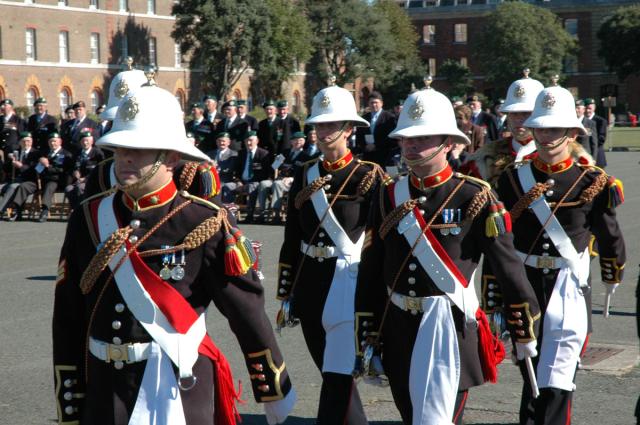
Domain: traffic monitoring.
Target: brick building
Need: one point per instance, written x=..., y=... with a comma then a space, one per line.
x=68, y=50
x=446, y=27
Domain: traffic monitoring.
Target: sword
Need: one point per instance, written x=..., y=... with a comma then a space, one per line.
x=607, y=302
x=532, y=377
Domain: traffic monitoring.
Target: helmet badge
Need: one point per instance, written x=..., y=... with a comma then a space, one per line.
x=325, y=101
x=129, y=109
x=121, y=89
x=416, y=110
x=548, y=101
x=520, y=92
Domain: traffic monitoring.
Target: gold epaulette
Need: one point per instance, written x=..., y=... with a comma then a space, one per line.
x=479, y=182
x=198, y=200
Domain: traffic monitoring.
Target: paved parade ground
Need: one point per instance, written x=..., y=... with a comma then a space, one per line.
x=608, y=387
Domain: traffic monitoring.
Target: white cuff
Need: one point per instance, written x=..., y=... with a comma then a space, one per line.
x=277, y=411
x=526, y=349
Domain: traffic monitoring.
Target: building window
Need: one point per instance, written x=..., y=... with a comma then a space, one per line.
x=181, y=98
x=63, y=3
x=96, y=99
x=31, y=96
x=124, y=47
x=429, y=34
x=65, y=99
x=463, y=62
x=63, y=46
x=1, y=49
x=93, y=4
x=124, y=5
x=151, y=7
x=94, y=44
x=296, y=103
x=152, y=51
x=30, y=45
x=177, y=55
x=570, y=64
x=571, y=26
x=460, y=33
x=432, y=67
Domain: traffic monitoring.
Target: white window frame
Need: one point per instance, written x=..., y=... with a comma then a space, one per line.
x=151, y=7
x=460, y=36
x=94, y=4
x=64, y=93
x=429, y=30
x=464, y=61
x=432, y=66
x=31, y=52
x=63, y=46
x=30, y=97
x=177, y=55
x=153, y=51
x=94, y=47
x=124, y=47
x=123, y=5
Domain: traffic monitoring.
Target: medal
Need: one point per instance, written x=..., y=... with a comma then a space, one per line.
x=447, y=217
x=178, y=271
x=456, y=230
x=165, y=272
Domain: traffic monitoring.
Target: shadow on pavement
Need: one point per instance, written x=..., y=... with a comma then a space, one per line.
x=43, y=278
x=293, y=420
x=614, y=313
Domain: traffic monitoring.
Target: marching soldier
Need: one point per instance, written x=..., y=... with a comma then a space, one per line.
x=556, y=202
x=328, y=205
x=416, y=308
x=41, y=124
x=138, y=269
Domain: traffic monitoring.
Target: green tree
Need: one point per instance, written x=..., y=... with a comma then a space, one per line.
x=351, y=40
x=517, y=36
x=223, y=38
x=619, y=35
x=458, y=76
x=402, y=62
x=289, y=44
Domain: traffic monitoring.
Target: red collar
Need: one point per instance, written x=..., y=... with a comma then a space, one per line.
x=558, y=167
x=339, y=164
x=433, y=180
x=151, y=200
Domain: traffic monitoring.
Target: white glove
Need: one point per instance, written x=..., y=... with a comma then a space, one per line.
x=526, y=349
x=611, y=288
x=277, y=411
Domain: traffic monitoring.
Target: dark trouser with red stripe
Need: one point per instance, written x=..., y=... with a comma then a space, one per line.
x=553, y=407
x=339, y=399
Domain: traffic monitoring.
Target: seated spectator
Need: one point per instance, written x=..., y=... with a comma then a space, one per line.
x=85, y=161
x=226, y=161
x=52, y=171
x=311, y=149
x=233, y=124
x=284, y=166
x=253, y=166
x=21, y=163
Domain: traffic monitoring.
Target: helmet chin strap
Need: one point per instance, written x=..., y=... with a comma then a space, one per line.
x=144, y=178
x=335, y=139
x=512, y=130
x=551, y=147
x=421, y=161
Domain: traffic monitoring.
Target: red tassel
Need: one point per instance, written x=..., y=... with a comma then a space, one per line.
x=232, y=261
x=490, y=348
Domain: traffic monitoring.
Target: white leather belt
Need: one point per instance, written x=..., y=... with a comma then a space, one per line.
x=128, y=353
x=406, y=302
x=543, y=261
x=318, y=251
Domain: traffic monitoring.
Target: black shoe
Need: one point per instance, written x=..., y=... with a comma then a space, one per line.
x=44, y=215
x=15, y=215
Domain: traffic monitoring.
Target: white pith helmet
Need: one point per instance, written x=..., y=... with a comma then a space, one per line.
x=428, y=112
x=150, y=118
x=121, y=84
x=335, y=104
x=522, y=93
x=555, y=108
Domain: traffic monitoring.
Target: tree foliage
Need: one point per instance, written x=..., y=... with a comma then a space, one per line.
x=289, y=45
x=619, y=35
x=223, y=38
x=458, y=76
x=517, y=36
x=351, y=39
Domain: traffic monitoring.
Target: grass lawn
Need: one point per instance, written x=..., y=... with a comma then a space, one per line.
x=628, y=137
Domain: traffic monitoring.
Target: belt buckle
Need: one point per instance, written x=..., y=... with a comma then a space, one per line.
x=117, y=353
x=544, y=262
x=320, y=252
x=413, y=303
